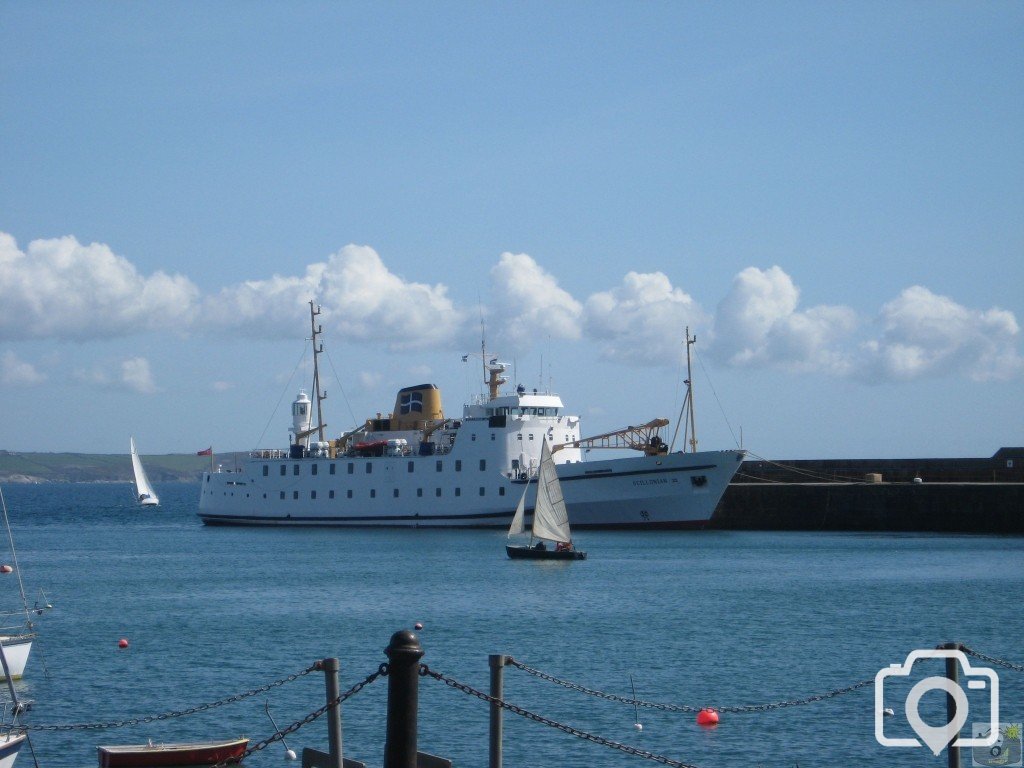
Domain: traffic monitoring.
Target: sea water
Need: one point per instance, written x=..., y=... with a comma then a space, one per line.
x=694, y=618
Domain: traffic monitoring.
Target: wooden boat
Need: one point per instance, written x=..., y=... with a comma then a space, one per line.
x=165, y=755
x=550, y=519
x=10, y=744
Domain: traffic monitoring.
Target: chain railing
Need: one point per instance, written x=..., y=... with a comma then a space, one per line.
x=517, y=710
x=290, y=729
x=992, y=659
x=683, y=707
x=169, y=715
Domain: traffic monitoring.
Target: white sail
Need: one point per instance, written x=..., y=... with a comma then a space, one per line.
x=550, y=517
x=144, y=491
x=517, y=518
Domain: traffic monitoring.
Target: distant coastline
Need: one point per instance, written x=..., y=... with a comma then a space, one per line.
x=28, y=467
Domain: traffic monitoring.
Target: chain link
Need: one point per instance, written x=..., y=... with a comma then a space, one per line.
x=683, y=707
x=279, y=736
x=171, y=715
x=600, y=740
x=992, y=659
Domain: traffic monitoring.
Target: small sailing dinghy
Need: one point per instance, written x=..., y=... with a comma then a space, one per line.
x=143, y=490
x=550, y=538
x=158, y=755
x=15, y=639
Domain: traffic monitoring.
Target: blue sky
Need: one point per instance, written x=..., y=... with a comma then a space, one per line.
x=831, y=195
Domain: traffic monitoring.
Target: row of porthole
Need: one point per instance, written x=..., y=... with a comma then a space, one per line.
x=373, y=493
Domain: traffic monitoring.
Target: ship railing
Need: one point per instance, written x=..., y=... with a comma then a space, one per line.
x=268, y=453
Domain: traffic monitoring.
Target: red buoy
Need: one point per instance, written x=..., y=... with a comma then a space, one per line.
x=122, y=643
x=707, y=717
x=6, y=569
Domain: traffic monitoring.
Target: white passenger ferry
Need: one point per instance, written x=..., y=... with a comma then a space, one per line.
x=419, y=468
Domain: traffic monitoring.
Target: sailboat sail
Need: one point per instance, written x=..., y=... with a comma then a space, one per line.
x=144, y=491
x=550, y=517
x=517, y=518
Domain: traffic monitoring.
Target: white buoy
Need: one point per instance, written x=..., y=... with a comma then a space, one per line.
x=638, y=726
x=888, y=712
x=290, y=755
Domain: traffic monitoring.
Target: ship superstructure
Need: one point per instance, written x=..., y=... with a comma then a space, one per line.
x=417, y=467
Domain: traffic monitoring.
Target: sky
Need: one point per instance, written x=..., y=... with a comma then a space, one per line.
x=830, y=196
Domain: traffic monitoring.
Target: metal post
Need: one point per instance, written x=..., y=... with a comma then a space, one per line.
x=952, y=667
x=330, y=668
x=497, y=663
x=404, y=654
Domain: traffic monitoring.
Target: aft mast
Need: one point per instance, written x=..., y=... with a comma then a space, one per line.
x=318, y=349
x=686, y=412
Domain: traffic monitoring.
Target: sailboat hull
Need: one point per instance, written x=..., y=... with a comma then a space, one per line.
x=16, y=651
x=10, y=745
x=532, y=553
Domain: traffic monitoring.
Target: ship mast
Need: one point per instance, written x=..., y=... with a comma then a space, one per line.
x=689, y=392
x=686, y=412
x=318, y=348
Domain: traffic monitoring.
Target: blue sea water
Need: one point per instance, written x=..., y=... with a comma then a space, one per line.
x=697, y=618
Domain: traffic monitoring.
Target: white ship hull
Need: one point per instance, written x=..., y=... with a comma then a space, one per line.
x=16, y=651
x=667, y=491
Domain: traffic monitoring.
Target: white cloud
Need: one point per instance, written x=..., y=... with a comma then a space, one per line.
x=359, y=297
x=924, y=333
x=642, y=320
x=528, y=304
x=18, y=373
x=62, y=289
x=135, y=375
x=222, y=386
x=132, y=374
x=757, y=324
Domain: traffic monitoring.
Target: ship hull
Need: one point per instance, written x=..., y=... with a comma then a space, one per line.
x=662, y=492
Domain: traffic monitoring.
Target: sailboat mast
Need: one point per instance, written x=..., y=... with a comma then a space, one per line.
x=689, y=391
x=14, y=557
x=318, y=348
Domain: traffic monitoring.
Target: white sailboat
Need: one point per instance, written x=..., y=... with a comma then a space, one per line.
x=15, y=641
x=144, y=491
x=550, y=519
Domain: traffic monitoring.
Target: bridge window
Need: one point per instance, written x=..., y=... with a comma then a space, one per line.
x=266, y=470
x=458, y=465
x=439, y=465
x=437, y=492
x=312, y=494
x=483, y=464
x=315, y=468
x=284, y=470
x=333, y=467
x=458, y=491
x=295, y=469
x=411, y=466
x=501, y=490
x=482, y=491
x=350, y=493
x=419, y=492
x=282, y=495
x=373, y=493
x=295, y=495
x=369, y=468
x=396, y=493
x=330, y=494
x=351, y=468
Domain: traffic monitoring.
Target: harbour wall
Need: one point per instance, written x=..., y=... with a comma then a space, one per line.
x=984, y=508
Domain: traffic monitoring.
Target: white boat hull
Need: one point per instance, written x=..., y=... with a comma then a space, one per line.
x=16, y=651
x=666, y=491
x=10, y=745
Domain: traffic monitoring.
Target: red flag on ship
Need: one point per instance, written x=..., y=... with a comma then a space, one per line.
x=207, y=452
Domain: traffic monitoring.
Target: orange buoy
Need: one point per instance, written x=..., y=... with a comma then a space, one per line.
x=122, y=643
x=707, y=717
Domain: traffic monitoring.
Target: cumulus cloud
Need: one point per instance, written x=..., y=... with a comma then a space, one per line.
x=62, y=289
x=642, y=320
x=132, y=374
x=15, y=372
x=924, y=333
x=528, y=303
x=758, y=324
x=358, y=295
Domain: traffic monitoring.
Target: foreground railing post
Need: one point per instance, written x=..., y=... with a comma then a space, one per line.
x=952, y=667
x=497, y=663
x=330, y=668
x=404, y=654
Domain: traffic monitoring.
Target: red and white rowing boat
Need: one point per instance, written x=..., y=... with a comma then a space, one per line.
x=164, y=755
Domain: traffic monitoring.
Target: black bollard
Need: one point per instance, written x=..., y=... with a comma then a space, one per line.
x=497, y=663
x=952, y=672
x=404, y=654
